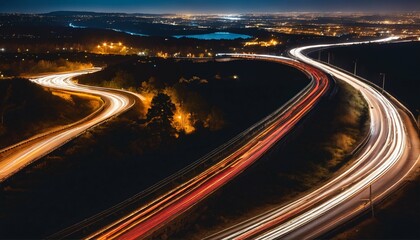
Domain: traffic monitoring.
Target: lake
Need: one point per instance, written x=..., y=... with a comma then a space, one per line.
x=216, y=36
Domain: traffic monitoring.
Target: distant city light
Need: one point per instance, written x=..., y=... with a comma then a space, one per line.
x=232, y=17
x=112, y=48
x=271, y=43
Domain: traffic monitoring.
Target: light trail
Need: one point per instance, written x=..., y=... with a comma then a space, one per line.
x=255, y=142
x=16, y=157
x=384, y=162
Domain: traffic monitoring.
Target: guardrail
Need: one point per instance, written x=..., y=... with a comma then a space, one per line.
x=201, y=164
x=90, y=116
x=368, y=135
x=52, y=131
x=383, y=197
x=378, y=88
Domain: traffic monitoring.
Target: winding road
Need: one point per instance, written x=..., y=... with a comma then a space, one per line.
x=168, y=201
x=386, y=161
x=16, y=157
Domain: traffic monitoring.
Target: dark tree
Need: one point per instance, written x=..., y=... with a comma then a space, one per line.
x=160, y=115
x=5, y=104
x=123, y=79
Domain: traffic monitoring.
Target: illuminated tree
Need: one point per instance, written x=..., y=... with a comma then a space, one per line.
x=160, y=114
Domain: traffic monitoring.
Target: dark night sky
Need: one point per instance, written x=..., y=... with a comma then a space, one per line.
x=206, y=6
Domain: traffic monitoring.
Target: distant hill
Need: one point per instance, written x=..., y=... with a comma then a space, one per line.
x=75, y=13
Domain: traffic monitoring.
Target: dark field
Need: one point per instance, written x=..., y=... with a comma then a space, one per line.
x=399, y=62
x=118, y=159
x=27, y=109
x=295, y=165
x=398, y=216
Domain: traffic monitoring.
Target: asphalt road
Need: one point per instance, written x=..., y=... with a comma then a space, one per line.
x=16, y=157
x=253, y=143
x=385, y=162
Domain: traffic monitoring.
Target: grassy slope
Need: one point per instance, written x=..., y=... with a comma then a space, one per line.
x=309, y=157
x=31, y=109
x=88, y=172
x=397, y=217
x=399, y=61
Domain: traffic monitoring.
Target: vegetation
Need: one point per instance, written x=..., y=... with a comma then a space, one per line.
x=131, y=151
x=305, y=159
x=24, y=111
x=127, y=152
x=397, y=60
x=207, y=94
x=160, y=115
x=23, y=32
x=40, y=66
x=397, y=218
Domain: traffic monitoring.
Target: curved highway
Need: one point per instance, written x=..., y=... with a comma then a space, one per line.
x=239, y=153
x=16, y=157
x=385, y=162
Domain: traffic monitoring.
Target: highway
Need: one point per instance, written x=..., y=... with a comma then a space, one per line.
x=114, y=102
x=387, y=160
x=238, y=154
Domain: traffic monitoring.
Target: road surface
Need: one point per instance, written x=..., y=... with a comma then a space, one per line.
x=387, y=160
x=239, y=153
x=16, y=157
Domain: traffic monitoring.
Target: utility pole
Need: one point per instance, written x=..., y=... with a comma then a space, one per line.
x=355, y=68
x=383, y=82
x=370, y=200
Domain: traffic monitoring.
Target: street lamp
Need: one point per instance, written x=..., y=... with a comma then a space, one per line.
x=355, y=68
x=383, y=81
